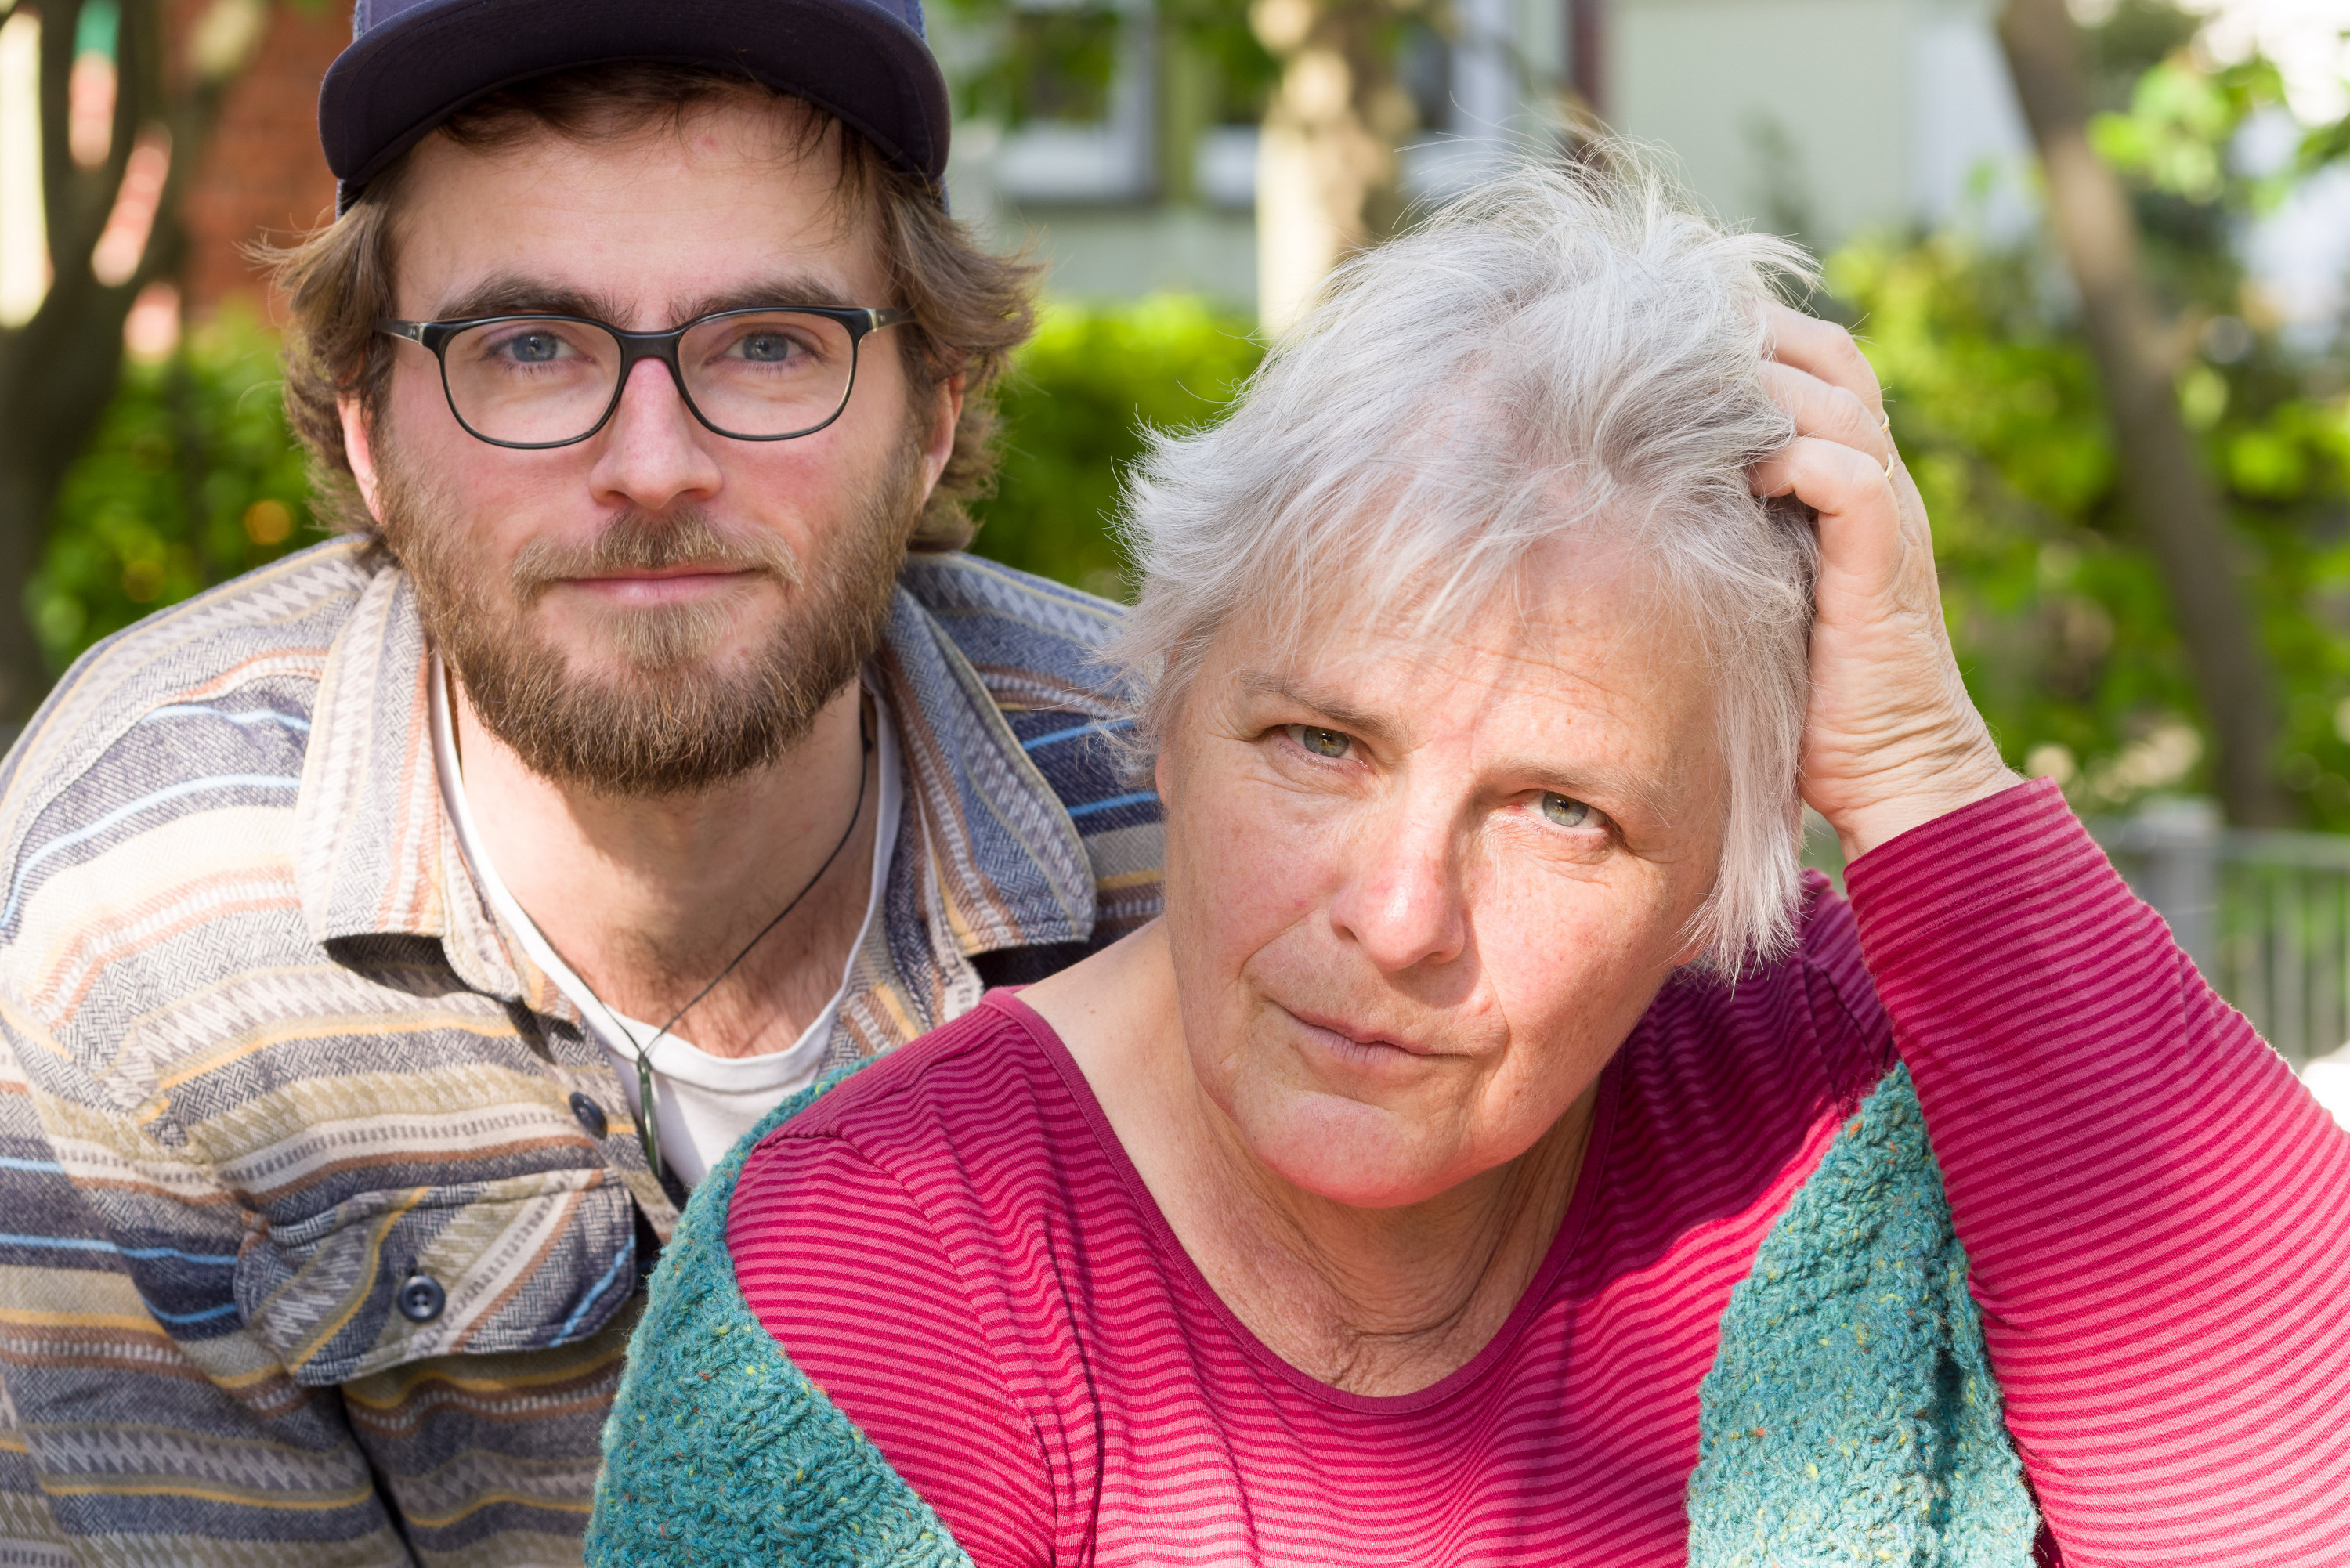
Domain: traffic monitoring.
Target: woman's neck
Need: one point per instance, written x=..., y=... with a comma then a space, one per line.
x=1372, y=1301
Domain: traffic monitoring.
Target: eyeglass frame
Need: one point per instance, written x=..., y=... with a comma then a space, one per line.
x=861, y=322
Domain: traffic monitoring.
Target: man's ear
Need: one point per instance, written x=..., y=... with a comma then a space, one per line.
x=358, y=448
x=944, y=417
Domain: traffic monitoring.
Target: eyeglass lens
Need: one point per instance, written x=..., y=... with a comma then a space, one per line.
x=758, y=375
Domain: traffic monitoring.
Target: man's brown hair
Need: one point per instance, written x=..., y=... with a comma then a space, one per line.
x=971, y=307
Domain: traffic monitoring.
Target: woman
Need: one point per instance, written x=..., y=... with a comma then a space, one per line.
x=1498, y=1152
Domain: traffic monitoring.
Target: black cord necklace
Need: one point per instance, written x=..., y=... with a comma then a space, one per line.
x=648, y=1118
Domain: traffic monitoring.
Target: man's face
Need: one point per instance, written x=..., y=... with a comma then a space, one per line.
x=658, y=608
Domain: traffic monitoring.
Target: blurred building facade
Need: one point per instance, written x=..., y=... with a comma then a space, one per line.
x=1817, y=118
x=1813, y=117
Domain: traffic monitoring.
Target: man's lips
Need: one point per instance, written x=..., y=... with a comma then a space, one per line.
x=652, y=585
x=663, y=573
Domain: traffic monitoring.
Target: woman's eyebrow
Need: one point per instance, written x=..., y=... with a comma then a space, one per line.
x=1648, y=794
x=1354, y=720
x=1644, y=791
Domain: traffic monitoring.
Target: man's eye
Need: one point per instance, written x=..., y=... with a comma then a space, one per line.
x=533, y=348
x=1321, y=742
x=1566, y=810
x=765, y=347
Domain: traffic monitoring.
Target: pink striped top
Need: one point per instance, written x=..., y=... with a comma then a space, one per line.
x=955, y=1248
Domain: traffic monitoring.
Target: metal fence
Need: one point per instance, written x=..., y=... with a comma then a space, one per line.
x=2265, y=915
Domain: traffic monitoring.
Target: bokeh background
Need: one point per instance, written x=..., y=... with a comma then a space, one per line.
x=2098, y=250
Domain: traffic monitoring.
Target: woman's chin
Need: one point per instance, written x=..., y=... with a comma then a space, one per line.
x=1344, y=1151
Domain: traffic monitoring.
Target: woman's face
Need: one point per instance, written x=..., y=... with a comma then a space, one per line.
x=1418, y=892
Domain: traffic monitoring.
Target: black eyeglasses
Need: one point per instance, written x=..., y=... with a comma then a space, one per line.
x=760, y=374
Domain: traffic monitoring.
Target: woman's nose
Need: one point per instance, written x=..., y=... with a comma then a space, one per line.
x=654, y=453
x=1404, y=901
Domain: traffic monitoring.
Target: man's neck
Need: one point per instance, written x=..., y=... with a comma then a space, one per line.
x=647, y=899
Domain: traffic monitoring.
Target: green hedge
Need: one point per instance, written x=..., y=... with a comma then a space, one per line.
x=192, y=479
x=1073, y=412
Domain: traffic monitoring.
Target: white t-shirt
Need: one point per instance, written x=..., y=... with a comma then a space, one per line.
x=705, y=1103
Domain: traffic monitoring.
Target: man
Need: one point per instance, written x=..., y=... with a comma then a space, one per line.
x=392, y=936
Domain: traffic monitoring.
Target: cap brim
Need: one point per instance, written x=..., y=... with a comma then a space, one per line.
x=386, y=91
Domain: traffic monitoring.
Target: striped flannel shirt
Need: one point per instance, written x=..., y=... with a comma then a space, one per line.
x=270, y=1056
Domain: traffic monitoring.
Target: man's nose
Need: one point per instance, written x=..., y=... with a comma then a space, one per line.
x=1405, y=898
x=654, y=453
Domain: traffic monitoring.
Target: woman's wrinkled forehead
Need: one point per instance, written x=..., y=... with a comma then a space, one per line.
x=1579, y=578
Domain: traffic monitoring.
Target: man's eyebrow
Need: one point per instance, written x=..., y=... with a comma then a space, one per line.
x=786, y=288
x=507, y=295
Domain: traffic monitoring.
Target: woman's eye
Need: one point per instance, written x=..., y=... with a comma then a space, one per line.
x=1566, y=810
x=1321, y=742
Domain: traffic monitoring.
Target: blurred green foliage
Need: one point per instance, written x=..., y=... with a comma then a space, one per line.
x=2059, y=615
x=1020, y=63
x=1074, y=410
x=191, y=479
x=1045, y=65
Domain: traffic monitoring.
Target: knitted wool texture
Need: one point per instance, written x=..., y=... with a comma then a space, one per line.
x=1851, y=1417
x=718, y=1452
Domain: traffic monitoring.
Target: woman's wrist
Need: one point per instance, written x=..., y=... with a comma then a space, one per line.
x=1904, y=802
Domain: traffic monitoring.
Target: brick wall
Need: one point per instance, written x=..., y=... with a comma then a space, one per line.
x=264, y=175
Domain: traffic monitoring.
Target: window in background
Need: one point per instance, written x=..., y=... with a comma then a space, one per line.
x=1465, y=85
x=1075, y=93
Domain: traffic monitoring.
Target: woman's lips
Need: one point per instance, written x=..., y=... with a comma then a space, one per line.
x=1358, y=1036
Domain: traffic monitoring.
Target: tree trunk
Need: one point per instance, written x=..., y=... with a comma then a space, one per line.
x=2173, y=500
x=1326, y=174
x=60, y=369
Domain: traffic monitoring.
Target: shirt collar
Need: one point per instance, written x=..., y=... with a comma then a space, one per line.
x=1012, y=868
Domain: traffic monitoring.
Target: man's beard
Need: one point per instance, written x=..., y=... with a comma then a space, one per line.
x=669, y=723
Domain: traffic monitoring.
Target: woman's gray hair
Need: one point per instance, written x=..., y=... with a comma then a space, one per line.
x=1565, y=349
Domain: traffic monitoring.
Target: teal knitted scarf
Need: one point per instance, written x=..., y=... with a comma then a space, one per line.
x=1851, y=1417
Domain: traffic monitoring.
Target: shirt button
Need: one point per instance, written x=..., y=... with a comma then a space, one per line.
x=421, y=1298
x=590, y=1114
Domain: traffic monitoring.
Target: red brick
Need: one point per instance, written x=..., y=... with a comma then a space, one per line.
x=263, y=176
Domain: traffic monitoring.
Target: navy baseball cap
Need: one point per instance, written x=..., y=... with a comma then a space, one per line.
x=412, y=63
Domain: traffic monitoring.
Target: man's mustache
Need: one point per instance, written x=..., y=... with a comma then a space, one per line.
x=639, y=541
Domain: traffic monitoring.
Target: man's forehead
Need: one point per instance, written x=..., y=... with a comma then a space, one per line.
x=637, y=231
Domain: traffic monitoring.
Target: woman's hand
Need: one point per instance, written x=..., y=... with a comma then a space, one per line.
x=1891, y=739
